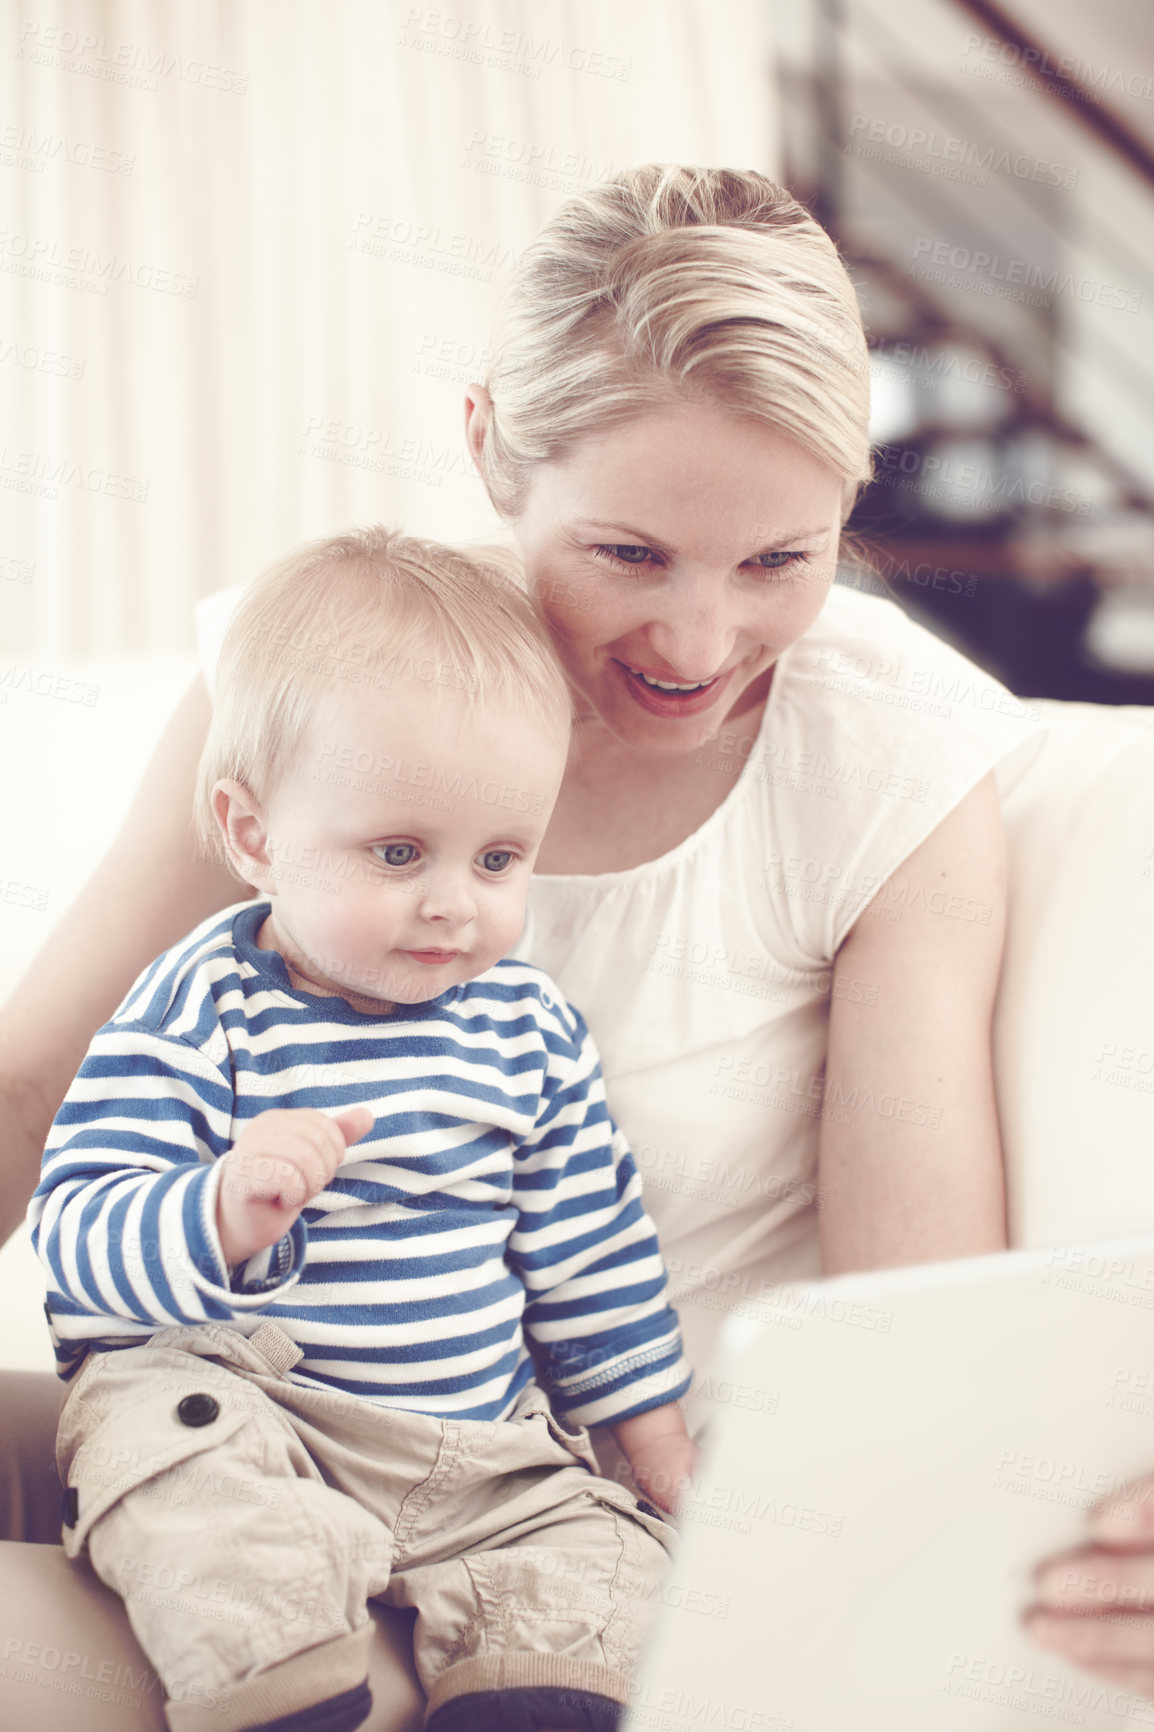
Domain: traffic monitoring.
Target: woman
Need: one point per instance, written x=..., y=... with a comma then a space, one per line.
x=774, y=883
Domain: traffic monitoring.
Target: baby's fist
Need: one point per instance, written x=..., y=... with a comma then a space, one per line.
x=280, y=1161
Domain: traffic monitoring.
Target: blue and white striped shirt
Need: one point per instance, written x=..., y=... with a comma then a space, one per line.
x=494, y=1198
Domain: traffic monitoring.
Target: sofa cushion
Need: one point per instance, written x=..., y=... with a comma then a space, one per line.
x=1074, y=1026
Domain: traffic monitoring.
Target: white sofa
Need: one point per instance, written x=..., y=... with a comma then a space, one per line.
x=1074, y=1033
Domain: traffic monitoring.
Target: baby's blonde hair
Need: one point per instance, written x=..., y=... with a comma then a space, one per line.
x=369, y=607
x=665, y=282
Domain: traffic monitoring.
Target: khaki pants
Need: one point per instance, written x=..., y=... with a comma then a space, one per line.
x=246, y=1521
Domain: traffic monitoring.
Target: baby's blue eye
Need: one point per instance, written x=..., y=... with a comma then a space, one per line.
x=496, y=859
x=396, y=853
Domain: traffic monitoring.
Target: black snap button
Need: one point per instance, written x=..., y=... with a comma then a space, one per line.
x=70, y=1510
x=198, y=1409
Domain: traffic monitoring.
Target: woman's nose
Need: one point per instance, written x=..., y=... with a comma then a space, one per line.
x=695, y=631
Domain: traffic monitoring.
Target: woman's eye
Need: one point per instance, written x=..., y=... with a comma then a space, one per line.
x=775, y=561
x=396, y=853
x=496, y=859
x=625, y=553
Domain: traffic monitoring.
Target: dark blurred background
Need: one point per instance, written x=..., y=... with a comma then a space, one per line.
x=988, y=174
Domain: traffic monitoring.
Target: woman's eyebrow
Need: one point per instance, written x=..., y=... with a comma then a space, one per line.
x=620, y=529
x=777, y=543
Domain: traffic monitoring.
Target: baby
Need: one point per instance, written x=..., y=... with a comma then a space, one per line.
x=344, y=1250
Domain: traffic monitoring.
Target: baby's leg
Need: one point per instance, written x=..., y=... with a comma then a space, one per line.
x=244, y=1575
x=534, y=1578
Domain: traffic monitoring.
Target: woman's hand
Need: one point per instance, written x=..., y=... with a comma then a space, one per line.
x=661, y=1454
x=1095, y=1606
x=279, y=1162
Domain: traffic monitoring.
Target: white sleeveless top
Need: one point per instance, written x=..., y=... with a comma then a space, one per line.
x=705, y=975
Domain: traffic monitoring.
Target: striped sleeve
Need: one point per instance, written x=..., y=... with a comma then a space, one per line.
x=606, y=1340
x=124, y=1216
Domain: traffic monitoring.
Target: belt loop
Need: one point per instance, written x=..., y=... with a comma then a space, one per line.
x=274, y=1345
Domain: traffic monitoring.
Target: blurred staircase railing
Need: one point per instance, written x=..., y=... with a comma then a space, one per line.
x=1081, y=411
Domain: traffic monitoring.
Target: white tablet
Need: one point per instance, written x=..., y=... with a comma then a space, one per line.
x=889, y=1457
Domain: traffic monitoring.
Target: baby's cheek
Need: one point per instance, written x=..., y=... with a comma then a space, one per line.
x=504, y=927
x=349, y=921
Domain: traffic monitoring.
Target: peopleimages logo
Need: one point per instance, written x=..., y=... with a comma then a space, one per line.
x=1013, y=279
x=129, y=63
x=1068, y=68
x=49, y=259
x=943, y=477
x=868, y=136
x=533, y=163
x=481, y=43
x=23, y=147
x=926, y=364
x=428, y=247
x=37, y=360
x=1049, y=1695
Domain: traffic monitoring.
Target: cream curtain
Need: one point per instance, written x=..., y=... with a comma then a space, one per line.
x=249, y=256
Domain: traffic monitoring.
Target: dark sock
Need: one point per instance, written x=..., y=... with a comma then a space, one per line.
x=526, y=1711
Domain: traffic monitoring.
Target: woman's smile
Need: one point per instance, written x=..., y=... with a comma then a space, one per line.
x=670, y=698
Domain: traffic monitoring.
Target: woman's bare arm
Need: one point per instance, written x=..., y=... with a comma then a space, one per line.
x=911, y=1160
x=150, y=888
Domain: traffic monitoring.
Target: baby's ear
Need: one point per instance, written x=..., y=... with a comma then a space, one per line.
x=242, y=827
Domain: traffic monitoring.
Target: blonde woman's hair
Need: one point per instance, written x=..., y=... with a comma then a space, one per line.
x=371, y=607
x=666, y=282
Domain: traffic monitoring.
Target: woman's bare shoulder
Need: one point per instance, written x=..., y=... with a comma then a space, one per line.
x=944, y=906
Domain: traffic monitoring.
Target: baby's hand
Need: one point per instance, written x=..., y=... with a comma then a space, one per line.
x=663, y=1470
x=277, y=1164
x=661, y=1454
